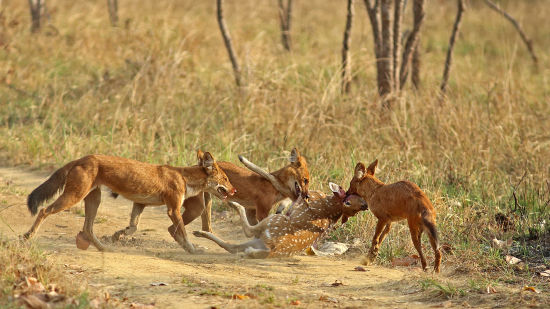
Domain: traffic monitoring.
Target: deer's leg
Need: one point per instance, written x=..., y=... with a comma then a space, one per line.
x=249, y=231
x=91, y=204
x=78, y=184
x=137, y=210
x=256, y=243
x=416, y=233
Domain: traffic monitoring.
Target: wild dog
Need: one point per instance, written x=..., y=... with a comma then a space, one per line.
x=256, y=193
x=282, y=235
x=395, y=202
x=142, y=183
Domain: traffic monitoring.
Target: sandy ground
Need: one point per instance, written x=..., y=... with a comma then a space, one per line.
x=202, y=280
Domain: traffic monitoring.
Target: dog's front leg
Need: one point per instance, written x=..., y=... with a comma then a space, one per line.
x=177, y=230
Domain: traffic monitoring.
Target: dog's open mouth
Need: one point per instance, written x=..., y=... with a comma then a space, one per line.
x=223, y=192
x=297, y=189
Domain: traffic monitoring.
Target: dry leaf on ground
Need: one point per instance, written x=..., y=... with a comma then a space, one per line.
x=531, y=288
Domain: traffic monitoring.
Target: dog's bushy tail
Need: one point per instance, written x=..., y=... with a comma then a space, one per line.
x=430, y=226
x=48, y=189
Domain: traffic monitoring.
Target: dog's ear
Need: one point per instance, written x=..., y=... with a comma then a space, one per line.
x=359, y=171
x=208, y=161
x=294, y=155
x=372, y=167
x=200, y=155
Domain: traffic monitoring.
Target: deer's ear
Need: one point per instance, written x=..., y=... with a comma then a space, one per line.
x=337, y=190
x=294, y=155
x=359, y=171
x=372, y=167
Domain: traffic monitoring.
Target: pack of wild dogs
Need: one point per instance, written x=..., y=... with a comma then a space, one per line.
x=251, y=191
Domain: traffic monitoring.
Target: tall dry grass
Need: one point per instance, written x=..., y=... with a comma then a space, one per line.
x=160, y=87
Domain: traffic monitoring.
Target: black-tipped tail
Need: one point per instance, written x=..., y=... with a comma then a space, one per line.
x=48, y=189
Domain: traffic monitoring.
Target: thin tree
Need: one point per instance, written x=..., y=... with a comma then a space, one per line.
x=386, y=85
x=285, y=16
x=397, y=9
x=452, y=40
x=412, y=40
x=415, y=65
x=112, y=5
x=373, y=11
x=346, y=65
x=392, y=58
x=526, y=40
x=228, y=44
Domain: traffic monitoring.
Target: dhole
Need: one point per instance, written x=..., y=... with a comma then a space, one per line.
x=280, y=235
x=258, y=194
x=143, y=183
x=394, y=202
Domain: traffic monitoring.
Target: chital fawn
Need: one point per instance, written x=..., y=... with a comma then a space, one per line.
x=395, y=202
x=283, y=235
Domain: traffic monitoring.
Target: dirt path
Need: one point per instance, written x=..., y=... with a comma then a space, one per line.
x=201, y=280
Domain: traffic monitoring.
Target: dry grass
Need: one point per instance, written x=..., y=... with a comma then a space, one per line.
x=161, y=87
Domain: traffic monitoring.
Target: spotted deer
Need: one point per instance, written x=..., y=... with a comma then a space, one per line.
x=283, y=235
x=395, y=202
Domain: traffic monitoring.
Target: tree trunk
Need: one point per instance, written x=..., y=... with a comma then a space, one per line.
x=346, y=65
x=411, y=44
x=385, y=87
x=112, y=5
x=415, y=64
x=285, y=16
x=452, y=40
x=397, y=20
x=228, y=44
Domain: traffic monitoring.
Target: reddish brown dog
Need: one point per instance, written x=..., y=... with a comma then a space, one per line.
x=394, y=202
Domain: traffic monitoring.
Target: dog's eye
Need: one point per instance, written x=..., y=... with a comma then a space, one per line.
x=347, y=203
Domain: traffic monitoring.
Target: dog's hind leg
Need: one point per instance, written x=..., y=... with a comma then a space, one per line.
x=91, y=204
x=78, y=184
x=137, y=209
x=256, y=243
